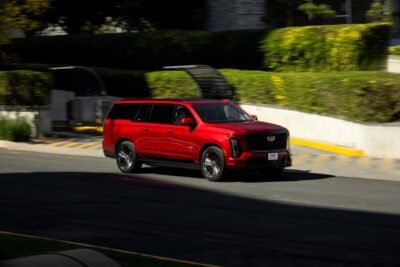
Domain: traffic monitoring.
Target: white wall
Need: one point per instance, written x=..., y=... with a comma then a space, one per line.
x=393, y=64
x=381, y=140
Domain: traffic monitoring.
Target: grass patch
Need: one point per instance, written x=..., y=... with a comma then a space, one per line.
x=14, y=246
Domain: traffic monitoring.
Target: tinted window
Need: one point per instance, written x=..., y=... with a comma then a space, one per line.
x=142, y=114
x=179, y=113
x=221, y=112
x=162, y=113
x=123, y=111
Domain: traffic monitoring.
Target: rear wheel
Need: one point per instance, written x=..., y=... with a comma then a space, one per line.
x=213, y=164
x=127, y=159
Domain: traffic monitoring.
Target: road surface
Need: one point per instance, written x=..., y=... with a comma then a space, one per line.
x=306, y=218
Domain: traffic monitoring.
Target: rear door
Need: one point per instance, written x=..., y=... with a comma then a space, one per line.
x=155, y=132
x=182, y=138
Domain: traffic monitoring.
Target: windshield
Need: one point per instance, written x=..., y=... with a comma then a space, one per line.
x=220, y=112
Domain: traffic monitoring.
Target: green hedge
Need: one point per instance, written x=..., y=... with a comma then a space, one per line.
x=326, y=48
x=367, y=96
x=24, y=88
x=395, y=50
x=144, y=51
x=122, y=83
x=14, y=130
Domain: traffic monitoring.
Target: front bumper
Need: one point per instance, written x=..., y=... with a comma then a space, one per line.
x=259, y=160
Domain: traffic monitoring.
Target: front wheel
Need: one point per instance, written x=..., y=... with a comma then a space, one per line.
x=127, y=160
x=213, y=164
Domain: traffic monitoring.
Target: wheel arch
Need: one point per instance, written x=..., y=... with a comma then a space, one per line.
x=207, y=145
x=119, y=141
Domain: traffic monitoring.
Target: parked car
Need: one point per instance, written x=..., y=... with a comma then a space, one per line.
x=214, y=136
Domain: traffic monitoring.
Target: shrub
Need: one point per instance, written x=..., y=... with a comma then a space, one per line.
x=394, y=50
x=325, y=48
x=171, y=84
x=15, y=130
x=24, y=88
x=130, y=83
x=367, y=96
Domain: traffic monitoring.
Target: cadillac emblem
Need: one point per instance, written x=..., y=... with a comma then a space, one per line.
x=270, y=138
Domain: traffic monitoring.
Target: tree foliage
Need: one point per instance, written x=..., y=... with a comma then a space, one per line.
x=378, y=12
x=22, y=14
x=133, y=15
x=321, y=10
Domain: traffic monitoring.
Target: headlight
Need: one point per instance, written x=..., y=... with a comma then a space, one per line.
x=235, y=148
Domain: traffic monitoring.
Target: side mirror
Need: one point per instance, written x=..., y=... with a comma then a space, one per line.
x=187, y=121
x=254, y=117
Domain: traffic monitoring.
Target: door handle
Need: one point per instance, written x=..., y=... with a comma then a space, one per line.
x=145, y=129
x=171, y=130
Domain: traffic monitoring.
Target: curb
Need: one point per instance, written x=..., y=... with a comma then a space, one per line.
x=327, y=147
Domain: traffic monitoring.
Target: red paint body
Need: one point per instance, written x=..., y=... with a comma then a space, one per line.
x=186, y=142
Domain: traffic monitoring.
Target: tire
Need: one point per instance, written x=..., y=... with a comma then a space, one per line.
x=127, y=160
x=213, y=164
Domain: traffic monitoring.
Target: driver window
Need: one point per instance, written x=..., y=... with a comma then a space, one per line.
x=179, y=113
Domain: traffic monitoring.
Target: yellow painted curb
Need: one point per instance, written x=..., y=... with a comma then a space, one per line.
x=327, y=147
x=80, y=129
x=110, y=249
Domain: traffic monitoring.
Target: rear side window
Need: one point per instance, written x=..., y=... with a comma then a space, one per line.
x=162, y=113
x=123, y=111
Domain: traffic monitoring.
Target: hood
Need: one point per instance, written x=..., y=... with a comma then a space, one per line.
x=249, y=127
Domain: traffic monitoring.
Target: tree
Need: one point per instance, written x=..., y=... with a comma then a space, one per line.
x=317, y=11
x=131, y=14
x=22, y=14
x=378, y=12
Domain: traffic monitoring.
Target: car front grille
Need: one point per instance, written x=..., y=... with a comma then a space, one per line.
x=261, y=142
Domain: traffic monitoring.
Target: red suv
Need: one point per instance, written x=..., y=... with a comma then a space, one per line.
x=215, y=136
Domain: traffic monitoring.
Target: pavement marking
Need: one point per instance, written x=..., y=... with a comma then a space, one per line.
x=87, y=145
x=60, y=143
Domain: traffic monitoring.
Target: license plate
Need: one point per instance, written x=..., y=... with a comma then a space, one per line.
x=272, y=156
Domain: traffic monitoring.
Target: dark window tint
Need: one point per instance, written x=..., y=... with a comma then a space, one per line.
x=142, y=114
x=179, y=113
x=221, y=112
x=123, y=111
x=162, y=113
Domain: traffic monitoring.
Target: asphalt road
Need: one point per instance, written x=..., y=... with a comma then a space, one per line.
x=302, y=219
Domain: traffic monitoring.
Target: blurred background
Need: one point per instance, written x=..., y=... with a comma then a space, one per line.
x=335, y=58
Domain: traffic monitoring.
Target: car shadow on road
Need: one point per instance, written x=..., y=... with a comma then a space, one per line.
x=243, y=176
x=231, y=228
x=287, y=176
